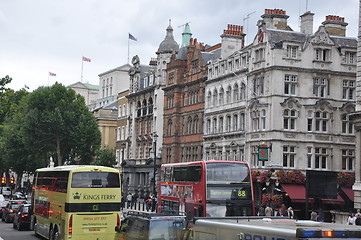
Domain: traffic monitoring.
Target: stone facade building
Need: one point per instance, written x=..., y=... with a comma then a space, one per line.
x=289, y=91
x=146, y=101
x=122, y=128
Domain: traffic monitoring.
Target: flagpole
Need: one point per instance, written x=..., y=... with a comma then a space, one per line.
x=81, y=78
x=48, y=78
x=128, y=49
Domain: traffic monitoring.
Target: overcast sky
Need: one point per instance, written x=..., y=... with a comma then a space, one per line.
x=42, y=36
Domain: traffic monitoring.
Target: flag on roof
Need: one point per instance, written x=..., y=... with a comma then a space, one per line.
x=52, y=74
x=86, y=59
x=25, y=86
x=131, y=37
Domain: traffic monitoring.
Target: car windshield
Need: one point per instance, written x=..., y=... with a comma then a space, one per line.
x=95, y=180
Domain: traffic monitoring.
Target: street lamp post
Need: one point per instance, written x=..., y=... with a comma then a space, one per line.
x=154, y=162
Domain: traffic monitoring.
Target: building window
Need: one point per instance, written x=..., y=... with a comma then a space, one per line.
x=221, y=124
x=243, y=91
x=208, y=126
x=350, y=57
x=289, y=119
x=228, y=123
x=195, y=124
x=118, y=134
x=263, y=119
x=309, y=121
x=235, y=122
x=242, y=122
x=347, y=126
x=209, y=99
x=189, y=125
x=215, y=97
x=289, y=156
x=321, y=87
x=221, y=97
x=259, y=55
x=290, y=84
x=348, y=89
x=321, y=121
x=321, y=158
x=255, y=120
x=170, y=79
x=292, y=51
x=235, y=93
x=309, y=157
x=228, y=94
x=194, y=66
x=258, y=85
x=348, y=159
x=170, y=123
x=214, y=125
x=323, y=55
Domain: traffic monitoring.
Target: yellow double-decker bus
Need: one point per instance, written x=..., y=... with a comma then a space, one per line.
x=76, y=202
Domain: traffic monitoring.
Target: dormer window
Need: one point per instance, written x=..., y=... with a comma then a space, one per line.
x=292, y=51
x=350, y=57
x=259, y=55
x=322, y=54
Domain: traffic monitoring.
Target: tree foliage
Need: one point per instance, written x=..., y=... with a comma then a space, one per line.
x=105, y=157
x=57, y=121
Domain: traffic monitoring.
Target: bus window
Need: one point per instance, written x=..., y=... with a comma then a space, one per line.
x=227, y=172
x=95, y=180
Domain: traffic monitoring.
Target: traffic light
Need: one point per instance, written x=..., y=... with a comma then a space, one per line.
x=3, y=181
x=12, y=180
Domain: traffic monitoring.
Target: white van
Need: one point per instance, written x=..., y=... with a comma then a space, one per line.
x=6, y=191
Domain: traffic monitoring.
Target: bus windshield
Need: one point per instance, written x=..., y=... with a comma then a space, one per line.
x=95, y=180
x=227, y=173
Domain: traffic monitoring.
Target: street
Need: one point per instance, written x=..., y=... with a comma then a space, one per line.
x=7, y=232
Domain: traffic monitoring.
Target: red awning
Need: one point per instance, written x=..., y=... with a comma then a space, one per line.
x=349, y=192
x=338, y=200
x=297, y=193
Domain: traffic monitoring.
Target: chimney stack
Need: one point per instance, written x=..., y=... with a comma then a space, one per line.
x=307, y=23
x=275, y=19
x=232, y=40
x=335, y=25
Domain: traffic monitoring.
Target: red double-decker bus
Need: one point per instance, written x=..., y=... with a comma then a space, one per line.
x=206, y=189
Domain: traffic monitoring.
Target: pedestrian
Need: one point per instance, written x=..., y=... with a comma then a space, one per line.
x=290, y=213
x=148, y=202
x=261, y=211
x=268, y=211
x=321, y=216
x=154, y=203
x=283, y=210
x=358, y=220
x=351, y=219
x=313, y=215
x=129, y=200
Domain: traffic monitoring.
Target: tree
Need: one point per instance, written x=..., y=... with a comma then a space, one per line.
x=105, y=157
x=58, y=121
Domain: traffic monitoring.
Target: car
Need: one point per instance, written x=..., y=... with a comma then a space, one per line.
x=22, y=218
x=146, y=226
x=19, y=195
x=2, y=207
x=6, y=191
x=10, y=209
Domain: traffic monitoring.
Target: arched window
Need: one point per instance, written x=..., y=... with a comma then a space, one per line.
x=150, y=105
x=229, y=93
x=195, y=124
x=189, y=125
x=289, y=119
x=243, y=91
x=170, y=123
x=144, y=107
x=215, y=97
x=221, y=96
x=220, y=125
x=209, y=99
x=235, y=93
x=139, y=109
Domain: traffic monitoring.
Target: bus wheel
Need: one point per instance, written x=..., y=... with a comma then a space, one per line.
x=54, y=234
